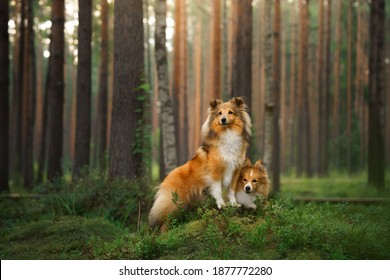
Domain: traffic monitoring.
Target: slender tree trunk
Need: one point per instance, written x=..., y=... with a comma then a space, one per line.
x=292, y=112
x=29, y=92
x=198, y=82
x=216, y=48
x=233, y=25
x=269, y=97
x=304, y=132
x=17, y=114
x=376, y=168
x=127, y=111
x=349, y=88
x=243, y=85
x=4, y=96
x=326, y=92
x=103, y=88
x=321, y=94
x=225, y=51
x=83, y=103
x=179, y=81
x=56, y=90
x=283, y=99
x=276, y=98
x=167, y=121
x=336, y=93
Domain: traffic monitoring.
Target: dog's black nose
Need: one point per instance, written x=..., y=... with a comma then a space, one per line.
x=223, y=120
x=247, y=188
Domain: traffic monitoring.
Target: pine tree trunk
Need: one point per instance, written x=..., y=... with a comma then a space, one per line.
x=167, y=121
x=336, y=93
x=376, y=169
x=4, y=96
x=56, y=90
x=29, y=92
x=292, y=99
x=276, y=99
x=304, y=132
x=243, y=85
x=127, y=110
x=269, y=100
x=83, y=103
x=326, y=92
x=216, y=46
x=179, y=82
x=349, y=88
x=103, y=89
x=321, y=95
x=198, y=83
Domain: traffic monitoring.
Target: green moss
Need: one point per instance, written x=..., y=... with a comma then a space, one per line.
x=64, y=238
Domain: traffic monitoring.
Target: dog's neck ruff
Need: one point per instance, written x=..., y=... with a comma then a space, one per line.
x=232, y=152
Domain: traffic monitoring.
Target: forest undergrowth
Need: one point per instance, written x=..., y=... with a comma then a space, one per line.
x=93, y=218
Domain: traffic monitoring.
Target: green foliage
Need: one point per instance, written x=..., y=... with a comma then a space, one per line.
x=62, y=238
x=62, y=224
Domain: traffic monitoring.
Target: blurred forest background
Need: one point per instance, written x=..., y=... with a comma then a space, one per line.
x=124, y=87
x=99, y=100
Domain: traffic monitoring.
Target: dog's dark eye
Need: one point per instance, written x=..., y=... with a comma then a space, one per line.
x=244, y=180
x=230, y=112
x=220, y=113
x=254, y=181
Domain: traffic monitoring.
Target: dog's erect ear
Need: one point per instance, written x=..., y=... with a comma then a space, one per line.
x=238, y=101
x=247, y=163
x=259, y=165
x=215, y=103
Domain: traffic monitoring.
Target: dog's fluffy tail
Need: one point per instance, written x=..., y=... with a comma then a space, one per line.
x=162, y=207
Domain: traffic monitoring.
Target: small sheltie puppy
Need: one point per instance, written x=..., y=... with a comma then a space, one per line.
x=215, y=165
x=252, y=182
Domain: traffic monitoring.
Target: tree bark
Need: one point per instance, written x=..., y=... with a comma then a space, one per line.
x=83, y=103
x=336, y=93
x=4, y=96
x=243, y=85
x=167, y=121
x=180, y=82
x=56, y=90
x=349, y=89
x=103, y=88
x=216, y=47
x=321, y=93
x=376, y=170
x=276, y=99
x=125, y=147
x=269, y=97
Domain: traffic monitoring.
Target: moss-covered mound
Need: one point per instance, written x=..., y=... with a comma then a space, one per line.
x=62, y=238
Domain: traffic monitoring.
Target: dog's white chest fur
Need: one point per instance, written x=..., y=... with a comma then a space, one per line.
x=232, y=153
x=246, y=199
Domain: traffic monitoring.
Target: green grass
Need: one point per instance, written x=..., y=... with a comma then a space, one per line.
x=96, y=219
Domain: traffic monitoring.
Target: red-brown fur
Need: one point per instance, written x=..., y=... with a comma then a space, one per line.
x=215, y=165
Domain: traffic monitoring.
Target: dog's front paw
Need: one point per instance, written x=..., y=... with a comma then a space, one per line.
x=253, y=206
x=235, y=204
x=220, y=204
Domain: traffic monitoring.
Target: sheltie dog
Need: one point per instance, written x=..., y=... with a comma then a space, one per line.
x=215, y=165
x=252, y=182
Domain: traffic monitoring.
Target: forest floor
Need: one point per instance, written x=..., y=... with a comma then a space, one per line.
x=93, y=219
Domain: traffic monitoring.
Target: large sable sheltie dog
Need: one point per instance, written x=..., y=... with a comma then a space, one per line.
x=215, y=165
x=252, y=182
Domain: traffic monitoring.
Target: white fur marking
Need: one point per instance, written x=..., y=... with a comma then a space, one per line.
x=250, y=175
x=246, y=199
x=216, y=192
x=232, y=197
x=231, y=152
